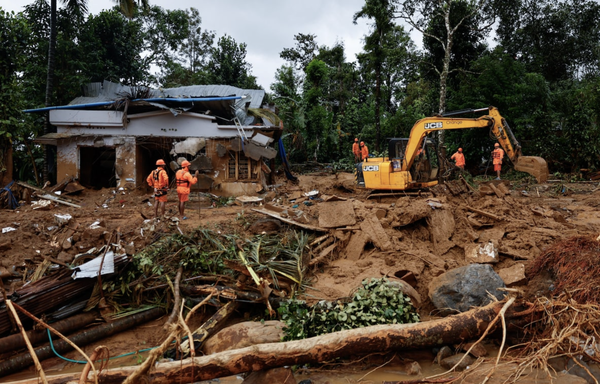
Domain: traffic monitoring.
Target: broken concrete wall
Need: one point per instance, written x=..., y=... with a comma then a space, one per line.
x=223, y=166
x=125, y=162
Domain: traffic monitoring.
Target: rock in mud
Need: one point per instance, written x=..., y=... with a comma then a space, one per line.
x=444, y=352
x=451, y=361
x=514, y=275
x=244, y=335
x=581, y=369
x=266, y=226
x=460, y=289
x=275, y=375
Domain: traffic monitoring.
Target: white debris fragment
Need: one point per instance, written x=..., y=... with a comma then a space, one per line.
x=62, y=219
x=91, y=268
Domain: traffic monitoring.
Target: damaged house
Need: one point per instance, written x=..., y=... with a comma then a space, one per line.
x=113, y=135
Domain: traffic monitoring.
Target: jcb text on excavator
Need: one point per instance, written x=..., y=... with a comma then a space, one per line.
x=414, y=163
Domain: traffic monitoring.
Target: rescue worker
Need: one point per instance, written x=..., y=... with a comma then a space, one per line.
x=356, y=151
x=159, y=180
x=364, y=151
x=497, y=156
x=459, y=159
x=184, y=181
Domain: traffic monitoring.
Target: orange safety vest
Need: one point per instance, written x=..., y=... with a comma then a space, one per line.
x=364, y=152
x=498, y=155
x=184, y=180
x=459, y=158
x=159, y=180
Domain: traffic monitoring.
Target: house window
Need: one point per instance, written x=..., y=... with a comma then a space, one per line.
x=241, y=167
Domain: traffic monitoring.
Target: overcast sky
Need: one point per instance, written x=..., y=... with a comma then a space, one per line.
x=266, y=26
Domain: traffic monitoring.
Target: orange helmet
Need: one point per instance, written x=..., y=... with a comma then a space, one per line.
x=185, y=163
x=362, y=143
x=160, y=162
x=496, y=145
x=459, y=149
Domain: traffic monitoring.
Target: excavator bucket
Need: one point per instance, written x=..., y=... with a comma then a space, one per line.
x=534, y=165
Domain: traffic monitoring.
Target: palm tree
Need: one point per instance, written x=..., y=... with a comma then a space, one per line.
x=128, y=6
x=75, y=5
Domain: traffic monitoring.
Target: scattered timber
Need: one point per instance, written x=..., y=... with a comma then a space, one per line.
x=362, y=341
x=24, y=360
x=291, y=222
x=483, y=213
x=227, y=293
x=16, y=341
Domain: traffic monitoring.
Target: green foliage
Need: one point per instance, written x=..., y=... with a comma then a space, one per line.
x=228, y=65
x=378, y=301
x=204, y=251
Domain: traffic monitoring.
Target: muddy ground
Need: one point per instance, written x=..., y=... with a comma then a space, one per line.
x=390, y=235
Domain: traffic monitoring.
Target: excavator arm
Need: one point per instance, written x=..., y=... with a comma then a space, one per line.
x=499, y=128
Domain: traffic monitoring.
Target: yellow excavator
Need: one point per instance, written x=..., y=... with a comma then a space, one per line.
x=415, y=162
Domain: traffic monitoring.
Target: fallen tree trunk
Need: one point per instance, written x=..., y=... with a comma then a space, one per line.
x=380, y=338
x=24, y=360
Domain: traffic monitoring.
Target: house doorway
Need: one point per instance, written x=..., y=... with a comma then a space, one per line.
x=97, y=167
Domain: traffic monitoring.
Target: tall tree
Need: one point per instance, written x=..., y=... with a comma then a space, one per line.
x=288, y=100
x=190, y=64
x=15, y=32
x=382, y=13
x=318, y=118
x=305, y=50
x=420, y=14
x=129, y=7
x=228, y=64
x=80, y=7
x=557, y=39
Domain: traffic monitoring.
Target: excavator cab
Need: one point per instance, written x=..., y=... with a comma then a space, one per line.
x=425, y=167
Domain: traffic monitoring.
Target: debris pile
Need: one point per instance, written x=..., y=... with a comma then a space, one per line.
x=569, y=260
x=315, y=240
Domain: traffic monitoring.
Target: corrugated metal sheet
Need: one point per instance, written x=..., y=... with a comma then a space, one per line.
x=49, y=292
x=108, y=91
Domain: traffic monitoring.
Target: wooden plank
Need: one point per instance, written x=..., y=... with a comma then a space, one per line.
x=496, y=191
x=483, y=213
x=291, y=222
x=60, y=201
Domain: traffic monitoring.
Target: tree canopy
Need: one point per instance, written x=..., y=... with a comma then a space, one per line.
x=538, y=61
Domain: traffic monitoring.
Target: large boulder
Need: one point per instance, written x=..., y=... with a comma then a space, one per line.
x=460, y=289
x=243, y=335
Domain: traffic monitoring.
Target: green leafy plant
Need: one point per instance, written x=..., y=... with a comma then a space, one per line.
x=378, y=301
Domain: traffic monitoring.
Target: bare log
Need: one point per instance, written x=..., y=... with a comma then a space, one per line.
x=380, y=338
x=13, y=342
x=24, y=360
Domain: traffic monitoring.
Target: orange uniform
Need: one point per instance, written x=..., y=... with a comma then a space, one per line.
x=497, y=155
x=355, y=149
x=184, y=181
x=459, y=159
x=364, y=151
x=159, y=180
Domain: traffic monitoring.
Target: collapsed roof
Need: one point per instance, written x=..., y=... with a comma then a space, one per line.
x=222, y=101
